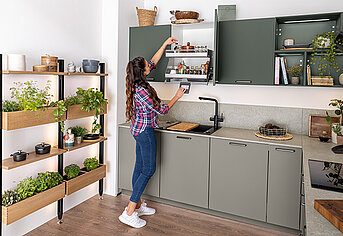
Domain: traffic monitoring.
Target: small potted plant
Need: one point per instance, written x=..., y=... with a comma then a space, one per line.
x=337, y=132
x=295, y=72
x=79, y=133
x=72, y=171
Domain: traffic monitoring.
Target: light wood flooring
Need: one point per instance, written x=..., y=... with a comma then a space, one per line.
x=100, y=217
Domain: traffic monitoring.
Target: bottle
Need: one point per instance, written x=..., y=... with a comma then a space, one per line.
x=203, y=69
x=199, y=70
x=187, y=70
x=69, y=139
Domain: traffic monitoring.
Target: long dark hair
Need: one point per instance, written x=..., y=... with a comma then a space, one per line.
x=135, y=75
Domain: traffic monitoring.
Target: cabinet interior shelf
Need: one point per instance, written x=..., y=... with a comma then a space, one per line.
x=9, y=164
x=51, y=73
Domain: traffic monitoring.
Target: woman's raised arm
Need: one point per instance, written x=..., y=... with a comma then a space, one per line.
x=160, y=51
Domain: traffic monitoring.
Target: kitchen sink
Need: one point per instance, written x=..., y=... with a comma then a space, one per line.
x=203, y=129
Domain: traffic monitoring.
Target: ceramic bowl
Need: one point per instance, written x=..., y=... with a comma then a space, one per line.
x=90, y=69
x=87, y=62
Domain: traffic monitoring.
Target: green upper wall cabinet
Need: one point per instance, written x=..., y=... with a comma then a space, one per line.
x=145, y=41
x=245, y=51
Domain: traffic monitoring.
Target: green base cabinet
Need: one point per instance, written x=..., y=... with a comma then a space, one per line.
x=284, y=186
x=238, y=178
x=145, y=42
x=184, y=168
x=127, y=157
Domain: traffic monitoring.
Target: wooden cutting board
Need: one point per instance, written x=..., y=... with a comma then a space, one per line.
x=332, y=210
x=317, y=124
x=183, y=126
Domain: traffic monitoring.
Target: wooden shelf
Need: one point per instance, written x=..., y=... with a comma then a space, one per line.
x=50, y=73
x=29, y=205
x=85, y=144
x=9, y=164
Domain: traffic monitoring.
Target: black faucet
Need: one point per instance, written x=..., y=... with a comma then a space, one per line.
x=216, y=118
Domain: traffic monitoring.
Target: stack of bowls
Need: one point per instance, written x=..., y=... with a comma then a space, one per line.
x=90, y=66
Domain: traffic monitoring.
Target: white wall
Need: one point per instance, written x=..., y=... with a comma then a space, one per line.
x=70, y=29
x=253, y=95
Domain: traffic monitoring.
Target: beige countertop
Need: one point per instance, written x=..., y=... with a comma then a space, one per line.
x=312, y=149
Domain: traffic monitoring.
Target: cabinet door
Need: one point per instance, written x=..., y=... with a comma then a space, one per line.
x=246, y=52
x=184, y=168
x=145, y=41
x=238, y=178
x=127, y=157
x=284, y=185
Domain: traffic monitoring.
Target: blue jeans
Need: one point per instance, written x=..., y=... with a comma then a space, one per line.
x=145, y=162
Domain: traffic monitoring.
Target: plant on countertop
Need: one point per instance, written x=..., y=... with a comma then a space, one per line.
x=10, y=106
x=91, y=163
x=10, y=197
x=92, y=99
x=72, y=171
x=26, y=188
x=327, y=61
x=47, y=180
x=79, y=131
x=338, y=104
x=295, y=71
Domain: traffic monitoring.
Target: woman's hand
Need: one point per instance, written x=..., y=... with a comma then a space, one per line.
x=180, y=92
x=170, y=40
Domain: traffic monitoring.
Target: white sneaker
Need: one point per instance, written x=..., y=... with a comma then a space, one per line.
x=144, y=210
x=133, y=220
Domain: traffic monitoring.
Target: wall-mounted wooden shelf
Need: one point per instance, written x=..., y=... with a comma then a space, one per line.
x=51, y=73
x=29, y=205
x=85, y=144
x=9, y=164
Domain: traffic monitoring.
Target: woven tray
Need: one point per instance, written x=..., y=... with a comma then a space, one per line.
x=187, y=21
x=278, y=138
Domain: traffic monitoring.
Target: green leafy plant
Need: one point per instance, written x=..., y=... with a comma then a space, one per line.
x=338, y=104
x=79, y=131
x=295, y=71
x=26, y=188
x=10, y=197
x=72, y=171
x=10, y=106
x=72, y=100
x=47, y=180
x=91, y=163
x=327, y=60
x=30, y=97
x=92, y=99
x=59, y=112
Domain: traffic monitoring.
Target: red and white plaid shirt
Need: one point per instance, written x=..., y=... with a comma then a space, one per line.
x=146, y=114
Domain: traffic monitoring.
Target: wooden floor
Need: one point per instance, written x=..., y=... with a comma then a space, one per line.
x=96, y=217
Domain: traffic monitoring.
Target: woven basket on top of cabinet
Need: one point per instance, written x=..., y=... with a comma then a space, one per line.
x=146, y=17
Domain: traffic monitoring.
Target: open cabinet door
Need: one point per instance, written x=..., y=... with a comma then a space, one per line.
x=145, y=41
x=216, y=47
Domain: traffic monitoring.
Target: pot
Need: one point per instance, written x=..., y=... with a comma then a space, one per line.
x=78, y=140
x=19, y=156
x=91, y=136
x=186, y=15
x=42, y=148
x=295, y=80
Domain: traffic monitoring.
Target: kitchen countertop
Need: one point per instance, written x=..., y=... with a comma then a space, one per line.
x=313, y=149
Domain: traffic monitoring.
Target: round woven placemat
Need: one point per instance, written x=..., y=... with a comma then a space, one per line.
x=278, y=138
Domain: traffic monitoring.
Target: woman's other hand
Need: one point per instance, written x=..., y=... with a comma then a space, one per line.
x=170, y=40
x=180, y=92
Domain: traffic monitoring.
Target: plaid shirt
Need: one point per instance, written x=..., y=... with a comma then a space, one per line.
x=145, y=112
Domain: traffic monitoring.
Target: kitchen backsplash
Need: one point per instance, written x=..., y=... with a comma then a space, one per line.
x=296, y=120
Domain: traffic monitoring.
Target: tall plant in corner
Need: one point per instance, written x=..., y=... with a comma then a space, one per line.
x=338, y=104
x=92, y=100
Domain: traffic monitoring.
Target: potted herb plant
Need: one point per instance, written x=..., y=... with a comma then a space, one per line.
x=324, y=46
x=337, y=132
x=295, y=72
x=72, y=171
x=91, y=163
x=79, y=133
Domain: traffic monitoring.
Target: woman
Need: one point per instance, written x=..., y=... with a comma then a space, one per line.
x=142, y=107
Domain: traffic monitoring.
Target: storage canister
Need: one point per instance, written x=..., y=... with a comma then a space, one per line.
x=16, y=62
x=51, y=62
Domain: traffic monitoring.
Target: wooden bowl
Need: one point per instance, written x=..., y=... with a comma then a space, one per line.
x=186, y=15
x=40, y=68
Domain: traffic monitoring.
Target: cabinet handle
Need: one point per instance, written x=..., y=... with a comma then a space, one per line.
x=243, y=81
x=238, y=144
x=180, y=137
x=284, y=150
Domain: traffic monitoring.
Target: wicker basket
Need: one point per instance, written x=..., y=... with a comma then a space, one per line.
x=146, y=17
x=272, y=132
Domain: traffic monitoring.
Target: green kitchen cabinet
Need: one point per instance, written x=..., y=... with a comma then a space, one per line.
x=284, y=186
x=238, y=178
x=184, y=168
x=127, y=157
x=145, y=42
x=245, y=51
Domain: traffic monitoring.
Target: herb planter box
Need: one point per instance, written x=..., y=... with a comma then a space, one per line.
x=25, y=207
x=23, y=119
x=84, y=179
x=75, y=112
